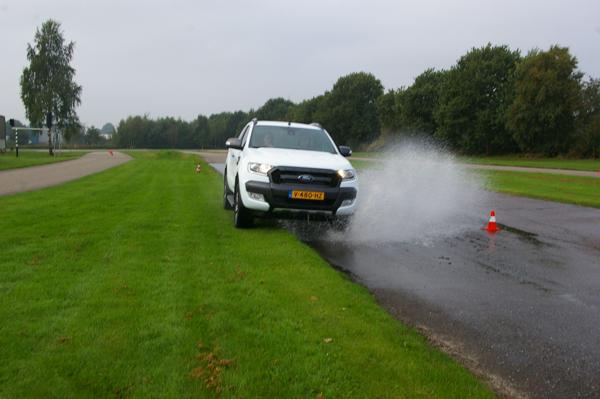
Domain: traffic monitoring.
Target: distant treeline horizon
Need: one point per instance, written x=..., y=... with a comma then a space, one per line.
x=492, y=101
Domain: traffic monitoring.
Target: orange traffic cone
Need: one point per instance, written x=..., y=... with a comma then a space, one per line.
x=491, y=226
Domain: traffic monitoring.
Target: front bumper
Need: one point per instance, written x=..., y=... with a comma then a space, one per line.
x=278, y=202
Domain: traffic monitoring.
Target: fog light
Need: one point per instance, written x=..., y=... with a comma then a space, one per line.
x=347, y=202
x=256, y=196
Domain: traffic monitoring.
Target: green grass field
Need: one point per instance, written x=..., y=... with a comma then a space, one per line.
x=32, y=158
x=552, y=163
x=515, y=160
x=361, y=154
x=569, y=189
x=134, y=283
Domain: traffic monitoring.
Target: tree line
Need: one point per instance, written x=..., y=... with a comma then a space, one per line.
x=494, y=100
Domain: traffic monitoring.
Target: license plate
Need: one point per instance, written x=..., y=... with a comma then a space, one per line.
x=307, y=195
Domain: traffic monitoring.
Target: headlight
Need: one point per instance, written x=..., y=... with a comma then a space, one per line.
x=260, y=168
x=347, y=174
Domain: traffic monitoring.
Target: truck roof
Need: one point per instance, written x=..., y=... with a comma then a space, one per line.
x=291, y=124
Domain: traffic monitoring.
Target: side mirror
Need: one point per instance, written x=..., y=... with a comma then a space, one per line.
x=345, y=150
x=233, y=143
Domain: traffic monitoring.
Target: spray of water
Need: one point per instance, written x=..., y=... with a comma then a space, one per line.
x=416, y=192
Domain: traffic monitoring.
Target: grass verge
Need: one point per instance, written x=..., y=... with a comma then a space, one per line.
x=365, y=154
x=568, y=189
x=548, y=163
x=515, y=160
x=134, y=283
x=32, y=158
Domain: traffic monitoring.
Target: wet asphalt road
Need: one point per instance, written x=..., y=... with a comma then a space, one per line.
x=523, y=304
x=521, y=307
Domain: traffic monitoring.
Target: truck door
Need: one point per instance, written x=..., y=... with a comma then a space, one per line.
x=233, y=158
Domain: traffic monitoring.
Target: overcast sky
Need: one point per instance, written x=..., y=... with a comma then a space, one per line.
x=187, y=57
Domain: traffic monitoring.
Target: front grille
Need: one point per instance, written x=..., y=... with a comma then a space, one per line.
x=317, y=177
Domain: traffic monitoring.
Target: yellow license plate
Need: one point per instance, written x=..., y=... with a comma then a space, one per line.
x=307, y=195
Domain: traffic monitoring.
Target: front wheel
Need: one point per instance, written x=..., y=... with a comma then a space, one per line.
x=242, y=217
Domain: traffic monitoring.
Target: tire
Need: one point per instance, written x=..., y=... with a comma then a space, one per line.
x=226, y=192
x=242, y=217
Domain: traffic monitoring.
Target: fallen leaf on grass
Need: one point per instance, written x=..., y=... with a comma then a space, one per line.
x=35, y=260
x=197, y=373
x=226, y=362
x=190, y=315
x=209, y=368
x=239, y=274
x=64, y=339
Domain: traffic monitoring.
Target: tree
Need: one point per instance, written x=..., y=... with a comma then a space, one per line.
x=200, y=132
x=587, y=140
x=421, y=100
x=473, y=101
x=306, y=111
x=547, y=88
x=275, y=109
x=389, y=110
x=134, y=132
x=47, y=84
x=74, y=134
x=219, y=129
x=92, y=136
x=349, y=111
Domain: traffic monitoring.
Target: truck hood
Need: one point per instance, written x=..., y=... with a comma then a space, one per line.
x=298, y=158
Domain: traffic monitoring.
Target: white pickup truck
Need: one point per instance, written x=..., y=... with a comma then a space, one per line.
x=287, y=170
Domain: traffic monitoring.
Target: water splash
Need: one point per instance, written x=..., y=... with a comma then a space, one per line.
x=417, y=192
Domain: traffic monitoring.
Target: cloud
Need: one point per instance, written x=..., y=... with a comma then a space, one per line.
x=184, y=57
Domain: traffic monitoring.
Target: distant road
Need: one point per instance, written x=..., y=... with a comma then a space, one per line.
x=36, y=177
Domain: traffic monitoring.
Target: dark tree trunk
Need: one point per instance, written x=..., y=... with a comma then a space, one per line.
x=50, y=151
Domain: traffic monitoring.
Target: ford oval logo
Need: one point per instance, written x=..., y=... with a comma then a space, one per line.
x=305, y=178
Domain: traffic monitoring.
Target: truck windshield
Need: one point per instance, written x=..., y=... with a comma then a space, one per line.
x=291, y=138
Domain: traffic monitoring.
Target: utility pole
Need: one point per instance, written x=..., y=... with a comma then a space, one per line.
x=2, y=134
x=11, y=122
